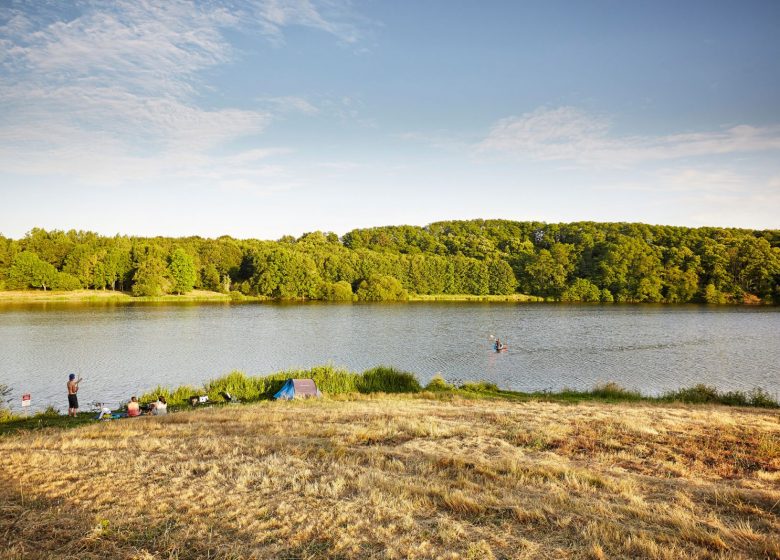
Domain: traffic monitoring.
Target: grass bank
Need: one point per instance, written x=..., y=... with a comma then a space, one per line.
x=517, y=298
x=93, y=296
x=382, y=379
x=339, y=382
x=399, y=476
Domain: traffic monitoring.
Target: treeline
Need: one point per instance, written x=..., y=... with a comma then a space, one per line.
x=582, y=261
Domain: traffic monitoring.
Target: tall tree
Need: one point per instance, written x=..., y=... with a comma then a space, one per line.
x=182, y=271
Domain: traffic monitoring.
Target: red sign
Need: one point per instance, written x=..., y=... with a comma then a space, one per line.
x=26, y=399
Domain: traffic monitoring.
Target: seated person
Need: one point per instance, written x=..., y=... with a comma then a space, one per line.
x=105, y=412
x=133, y=408
x=160, y=406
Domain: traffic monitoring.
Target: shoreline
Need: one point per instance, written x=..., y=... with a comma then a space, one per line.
x=113, y=296
x=387, y=382
x=205, y=296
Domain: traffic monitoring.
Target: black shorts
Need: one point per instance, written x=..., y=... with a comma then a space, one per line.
x=73, y=401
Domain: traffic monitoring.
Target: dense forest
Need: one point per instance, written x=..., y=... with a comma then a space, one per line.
x=582, y=261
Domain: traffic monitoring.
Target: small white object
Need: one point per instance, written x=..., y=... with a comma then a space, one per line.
x=203, y=399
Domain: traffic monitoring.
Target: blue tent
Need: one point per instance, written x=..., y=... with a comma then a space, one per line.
x=298, y=389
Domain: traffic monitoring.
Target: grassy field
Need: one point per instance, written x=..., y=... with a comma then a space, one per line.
x=91, y=296
x=409, y=476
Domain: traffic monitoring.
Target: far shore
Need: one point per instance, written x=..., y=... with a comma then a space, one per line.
x=88, y=296
x=93, y=296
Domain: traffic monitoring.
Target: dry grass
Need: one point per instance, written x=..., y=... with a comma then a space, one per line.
x=11, y=297
x=60, y=295
x=399, y=477
x=471, y=297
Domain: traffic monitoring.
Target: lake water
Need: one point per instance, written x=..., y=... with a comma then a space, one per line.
x=122, y=350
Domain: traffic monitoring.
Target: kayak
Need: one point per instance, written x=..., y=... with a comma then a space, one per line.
x=502, y=349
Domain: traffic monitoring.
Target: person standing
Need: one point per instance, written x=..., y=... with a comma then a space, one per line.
x=73, y=400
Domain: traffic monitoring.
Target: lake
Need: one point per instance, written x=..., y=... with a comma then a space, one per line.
x=126, y=349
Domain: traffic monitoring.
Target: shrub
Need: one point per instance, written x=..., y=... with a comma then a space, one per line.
x=65, y=281
x=48, y=412
x=479, y=387
x=581, y=290
x=338, y=291
x=438, y=383
x=180, y=396
x=333, y=380
x=5, y=392
x=697, y=394
x=388, y=380
x=238, y=385
x=703, y=394
x=612, y=390
x=759, y=397
x=381, y=288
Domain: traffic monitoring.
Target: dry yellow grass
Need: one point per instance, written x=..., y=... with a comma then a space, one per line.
x=392, y=477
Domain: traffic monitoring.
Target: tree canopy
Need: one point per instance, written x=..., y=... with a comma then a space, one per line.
x=580, y=261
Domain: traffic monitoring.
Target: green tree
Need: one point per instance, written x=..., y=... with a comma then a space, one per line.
x=501, y=278
x=631, y=270
x=381, y=288
x=285, y=273
x=81, y=263
x=547, y=272
x=151, y=277
x=28, y=271
x=469, y=276
x=582, y=290
x=210, y=278
x=65, y=281
x=713, y=295
x=182, y=271
x=51, y=247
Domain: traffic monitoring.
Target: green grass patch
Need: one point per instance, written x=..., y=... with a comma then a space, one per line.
x=388, y=380
x=49, y=418
x=704, y=394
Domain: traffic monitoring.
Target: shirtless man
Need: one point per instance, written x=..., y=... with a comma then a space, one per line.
x=73, y=400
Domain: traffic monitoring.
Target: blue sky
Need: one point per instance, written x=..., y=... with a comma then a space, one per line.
x=266, y=118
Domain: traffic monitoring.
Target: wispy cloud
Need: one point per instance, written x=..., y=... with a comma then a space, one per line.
x=570, y=134
x=109, y=91
x=290, y=104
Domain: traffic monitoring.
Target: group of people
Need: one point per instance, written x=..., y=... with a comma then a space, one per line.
x=157, y=408
x=134, y=408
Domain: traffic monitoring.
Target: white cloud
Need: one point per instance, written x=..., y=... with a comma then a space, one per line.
x=570, y=134
x=111, y=94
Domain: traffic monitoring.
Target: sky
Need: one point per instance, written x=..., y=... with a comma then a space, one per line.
x=279, y=117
